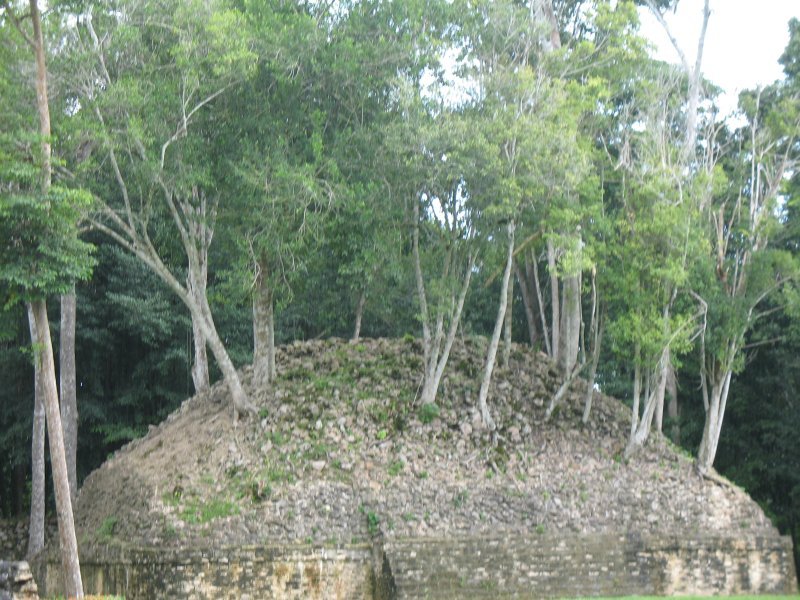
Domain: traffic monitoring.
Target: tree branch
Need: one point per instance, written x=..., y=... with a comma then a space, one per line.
x=17, y=22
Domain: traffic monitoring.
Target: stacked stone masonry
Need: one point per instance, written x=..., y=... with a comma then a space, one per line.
x=16, y=581
x=537, y=566
x=592, y=565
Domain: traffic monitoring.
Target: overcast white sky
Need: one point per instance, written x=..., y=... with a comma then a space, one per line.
x=744, y=41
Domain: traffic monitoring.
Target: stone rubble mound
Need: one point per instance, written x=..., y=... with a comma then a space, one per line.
x=342, y=450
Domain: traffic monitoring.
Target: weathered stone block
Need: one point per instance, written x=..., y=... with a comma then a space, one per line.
x=16, y=581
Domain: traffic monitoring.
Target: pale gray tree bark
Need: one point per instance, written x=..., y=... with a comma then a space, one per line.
x=571, y=319
x=73, y=586
x=491, y=353
x=694, y=73
x=200, y=376
x=507, y=326
x=36, y=520
x=263, y=328
x=596, y=335
x=555, y=302
x=200, y=228
x=715, y=400
x=68, y=388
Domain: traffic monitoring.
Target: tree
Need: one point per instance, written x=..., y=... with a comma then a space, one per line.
x=656, y=237
x=743, y=269
x=14, y=89
x=688, y=157
x=443, y=236
x=44, y=248
x=144, y=91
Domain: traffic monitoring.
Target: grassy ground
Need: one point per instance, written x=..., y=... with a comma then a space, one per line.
x=787, y=597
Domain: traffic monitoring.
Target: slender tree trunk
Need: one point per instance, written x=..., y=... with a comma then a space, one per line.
x=271, y=341
x=36, y=522
x=66, y=525
x=434, y=357
x=69, y=395
x=596, y=339
x=587, y=404
x=241, y=404
x=491, y=354
x=362, y=300
x=637, y=390
x=713, y=423
x=73, y=585
x=200, y=376
x=562, y=389
x=570, y=333
x=567, y=326
x=641, y=432
x=540, y=299
x=555, y=312
x=659, y=409
x=196, y=284
x=423, y=300
x=440, y=355
x=507, y=332
x=262, y=310
x=527, y=303
x=673, y=411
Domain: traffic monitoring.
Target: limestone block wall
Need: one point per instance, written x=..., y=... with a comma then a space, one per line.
x=532, y=566
x=556, y=566
x=285, y=572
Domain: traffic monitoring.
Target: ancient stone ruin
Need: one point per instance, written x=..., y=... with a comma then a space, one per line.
x=344, y=486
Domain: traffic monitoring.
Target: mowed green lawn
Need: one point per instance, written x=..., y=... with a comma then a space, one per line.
x=786, y=597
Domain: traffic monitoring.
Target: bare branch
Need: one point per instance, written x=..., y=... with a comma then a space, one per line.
x=183, y=126
x=17, y=22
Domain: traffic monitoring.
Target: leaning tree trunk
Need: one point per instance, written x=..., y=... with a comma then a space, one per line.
x=200, y=375
x=36, y=522
x=197, y=284
x=362, y=300
x=540, y=300
x=73, y=585
x=69, y=396
x=241, y=404
x=491, y=354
